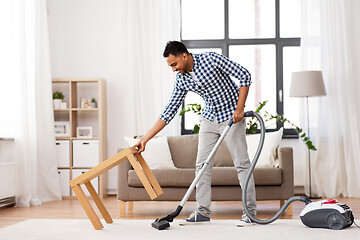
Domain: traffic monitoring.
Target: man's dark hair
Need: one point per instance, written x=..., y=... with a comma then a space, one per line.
x=174, y=48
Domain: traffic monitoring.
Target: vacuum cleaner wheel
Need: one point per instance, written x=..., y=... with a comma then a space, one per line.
x=335, y=221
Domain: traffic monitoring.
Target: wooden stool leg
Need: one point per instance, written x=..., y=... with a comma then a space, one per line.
x=155, y=184
x=130, y=205
x=87, y=207
x=98, y=202
x=142, y=176
x=288, y=211
x=122, y=209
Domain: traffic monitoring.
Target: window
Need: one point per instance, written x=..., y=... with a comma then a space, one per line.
x=261, y=35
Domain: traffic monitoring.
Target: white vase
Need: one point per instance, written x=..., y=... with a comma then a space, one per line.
x=57, y=103
x=63, y=105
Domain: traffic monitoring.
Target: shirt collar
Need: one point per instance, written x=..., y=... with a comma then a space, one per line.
x=196, y=60
x=195, y=65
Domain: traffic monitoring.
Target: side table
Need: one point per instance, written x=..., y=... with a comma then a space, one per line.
x=141, y=168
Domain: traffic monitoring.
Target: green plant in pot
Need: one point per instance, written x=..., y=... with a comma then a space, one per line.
x=195, y=108
x=252, y=123
x=57, y=99
x=93, y=103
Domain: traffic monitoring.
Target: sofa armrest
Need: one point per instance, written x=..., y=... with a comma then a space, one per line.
x=286, y=164
x=123, y=186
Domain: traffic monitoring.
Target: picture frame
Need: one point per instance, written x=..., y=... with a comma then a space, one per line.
x=84, y=132
x=62, y=128
x=85, y=102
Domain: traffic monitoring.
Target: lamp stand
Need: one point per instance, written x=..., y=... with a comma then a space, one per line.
x=308, y=126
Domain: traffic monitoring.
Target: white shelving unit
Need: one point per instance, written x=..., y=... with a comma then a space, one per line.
x=78, y=154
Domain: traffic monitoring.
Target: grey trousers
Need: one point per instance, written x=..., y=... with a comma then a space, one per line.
x=236, y=142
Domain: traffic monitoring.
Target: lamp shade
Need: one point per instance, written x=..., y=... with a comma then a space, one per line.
x=307, y=84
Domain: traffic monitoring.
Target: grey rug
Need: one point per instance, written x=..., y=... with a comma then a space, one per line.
x=56, y=229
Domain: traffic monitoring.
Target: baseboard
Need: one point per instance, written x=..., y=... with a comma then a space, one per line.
x=7, y=202
x=112, y=191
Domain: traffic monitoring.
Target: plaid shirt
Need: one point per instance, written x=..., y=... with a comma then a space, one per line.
x=218, y=91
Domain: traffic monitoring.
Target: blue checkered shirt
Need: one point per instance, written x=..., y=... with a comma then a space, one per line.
x=219, y=92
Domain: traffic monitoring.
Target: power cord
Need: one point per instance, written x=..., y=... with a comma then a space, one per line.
x=356, y=224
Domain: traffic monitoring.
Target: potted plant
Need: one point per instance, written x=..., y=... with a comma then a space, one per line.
x=93, y=103
x=57, y=99
x=252, y=124
x=195, y=108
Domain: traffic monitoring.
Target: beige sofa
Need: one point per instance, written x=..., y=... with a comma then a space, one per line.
x=271, y=183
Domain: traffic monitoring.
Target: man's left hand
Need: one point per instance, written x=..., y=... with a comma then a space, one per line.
x=238, y=115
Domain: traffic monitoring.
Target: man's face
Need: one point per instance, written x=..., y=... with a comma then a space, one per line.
x=179, y=63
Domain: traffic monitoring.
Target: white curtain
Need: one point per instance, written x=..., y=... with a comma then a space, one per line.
x=32, y=113
x=148, y=25
x=330, y=43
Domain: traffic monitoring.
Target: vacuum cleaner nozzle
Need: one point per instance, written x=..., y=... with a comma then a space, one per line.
x=160, y=225
x=163, y=223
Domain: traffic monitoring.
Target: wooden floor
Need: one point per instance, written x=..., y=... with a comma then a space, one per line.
x=71, y=209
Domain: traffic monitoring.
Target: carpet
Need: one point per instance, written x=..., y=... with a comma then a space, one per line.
x=56, y=229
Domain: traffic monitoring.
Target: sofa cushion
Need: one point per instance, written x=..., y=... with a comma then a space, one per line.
x=221, y=176
x=157, y=152
x=263, y=176
x=267, y=156
x=222, y=157
x=184, y=149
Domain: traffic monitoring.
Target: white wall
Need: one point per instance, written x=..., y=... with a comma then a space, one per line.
x=85, y=41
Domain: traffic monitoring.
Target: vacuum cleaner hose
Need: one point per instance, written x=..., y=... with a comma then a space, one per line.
x=250, y=172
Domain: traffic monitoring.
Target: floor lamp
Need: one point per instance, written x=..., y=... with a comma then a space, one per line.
x=307, y=84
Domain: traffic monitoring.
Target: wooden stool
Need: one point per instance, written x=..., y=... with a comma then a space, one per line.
x=141, y=168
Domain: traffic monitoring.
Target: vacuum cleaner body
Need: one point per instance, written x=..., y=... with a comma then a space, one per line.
x=327, y=214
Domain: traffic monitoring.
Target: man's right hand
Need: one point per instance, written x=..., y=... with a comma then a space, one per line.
x=159, y=124
x=140, y=146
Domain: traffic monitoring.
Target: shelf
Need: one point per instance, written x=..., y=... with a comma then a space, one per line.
x=74, y=90
x=76, y=138
x=84, y=80
x=85, y=109
x=68, y=168
x=77, y=109
x=61, y=110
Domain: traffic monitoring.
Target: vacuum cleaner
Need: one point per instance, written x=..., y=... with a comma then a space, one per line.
x=323, y=214
x=327, y=214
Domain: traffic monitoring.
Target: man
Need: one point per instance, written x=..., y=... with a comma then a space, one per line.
x=208, y=74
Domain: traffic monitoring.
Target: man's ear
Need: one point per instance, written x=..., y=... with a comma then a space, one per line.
x=184, y=56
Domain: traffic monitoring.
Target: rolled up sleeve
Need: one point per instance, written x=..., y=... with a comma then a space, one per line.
x=176, y=99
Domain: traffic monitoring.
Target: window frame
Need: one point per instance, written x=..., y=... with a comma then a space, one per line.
x=225, y=43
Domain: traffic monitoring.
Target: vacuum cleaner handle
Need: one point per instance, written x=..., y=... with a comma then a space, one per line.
x=247, y=114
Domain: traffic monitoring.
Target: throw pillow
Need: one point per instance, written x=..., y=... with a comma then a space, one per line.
x=157, y=152
x=267, y=156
